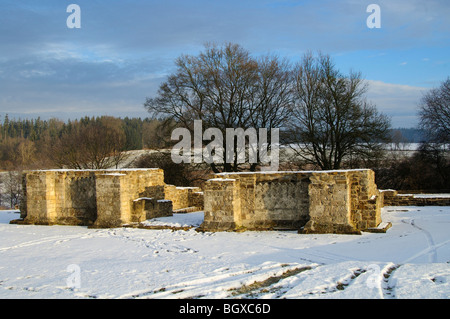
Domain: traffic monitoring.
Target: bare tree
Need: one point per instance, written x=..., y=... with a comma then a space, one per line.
x=398, y=140
x=434, y=112
x=181, y=174
x=225, y=88
x=97, y=145
x=24, y=152
x=156, y=133
x=12, y=187
x=331, y=118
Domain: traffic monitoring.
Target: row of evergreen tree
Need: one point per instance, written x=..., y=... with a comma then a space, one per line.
x=38, y=129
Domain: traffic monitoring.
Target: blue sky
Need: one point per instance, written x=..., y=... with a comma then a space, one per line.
x=125, y=49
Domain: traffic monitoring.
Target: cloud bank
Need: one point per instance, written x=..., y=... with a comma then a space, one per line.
x=125, y=49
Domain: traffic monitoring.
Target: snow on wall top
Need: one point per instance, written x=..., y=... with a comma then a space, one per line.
x=294, y=172
x=118, y=170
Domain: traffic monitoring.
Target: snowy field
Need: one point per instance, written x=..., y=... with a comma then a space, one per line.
x=411, y=260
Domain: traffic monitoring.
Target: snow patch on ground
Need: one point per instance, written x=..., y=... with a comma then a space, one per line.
x=410, y=260
x=177, y=220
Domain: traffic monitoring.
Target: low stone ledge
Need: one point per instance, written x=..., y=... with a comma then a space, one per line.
x=157, y=227
x=187, y=210
x=19, y=221
x=394, y=198
x=217, y=227
x=382, y=228
x=318, y=228
x=106, y=224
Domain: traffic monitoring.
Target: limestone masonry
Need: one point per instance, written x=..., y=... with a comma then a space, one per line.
x=312, y=202
x=101, y=198
x=393, y=198
x=343, y=201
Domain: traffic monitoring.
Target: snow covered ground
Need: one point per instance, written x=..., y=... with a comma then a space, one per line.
x=411, y=260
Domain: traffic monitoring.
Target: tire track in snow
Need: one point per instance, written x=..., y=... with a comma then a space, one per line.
x=389, y=283
x=324, y=281
x=229, y=284
x=426, y=251
x=325, y=255
x=40, y=241
x=431, y=250
x=387, y=286
x=432, y=257
x=263, y=286
x=313, y=255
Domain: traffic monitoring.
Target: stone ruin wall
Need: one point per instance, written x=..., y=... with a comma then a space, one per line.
x=310, y=201
x=393, y=198
x=55, y=197
x=346, y=201
x=184, y=198
x=100, y=198
x=313, y=202
x=121, y=196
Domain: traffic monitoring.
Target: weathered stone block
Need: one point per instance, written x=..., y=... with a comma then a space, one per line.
x=322, y=201
x=97, y=198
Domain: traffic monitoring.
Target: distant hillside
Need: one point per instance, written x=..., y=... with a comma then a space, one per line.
x=408, y=135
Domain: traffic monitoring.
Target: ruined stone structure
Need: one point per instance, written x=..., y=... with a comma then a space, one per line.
x=393, y=198
x=184, y=199
x=346, y=201
x=101, y=198
x=312, y=202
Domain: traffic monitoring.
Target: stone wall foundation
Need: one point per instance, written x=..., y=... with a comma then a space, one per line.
x=100, y=198
x=343, y=202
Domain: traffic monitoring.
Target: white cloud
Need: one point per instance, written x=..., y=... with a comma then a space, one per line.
x=125, y=49
x=398, y=101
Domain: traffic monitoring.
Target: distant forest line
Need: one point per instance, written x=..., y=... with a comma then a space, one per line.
x=99, y=142
x=79, y=143
x=137, y=130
